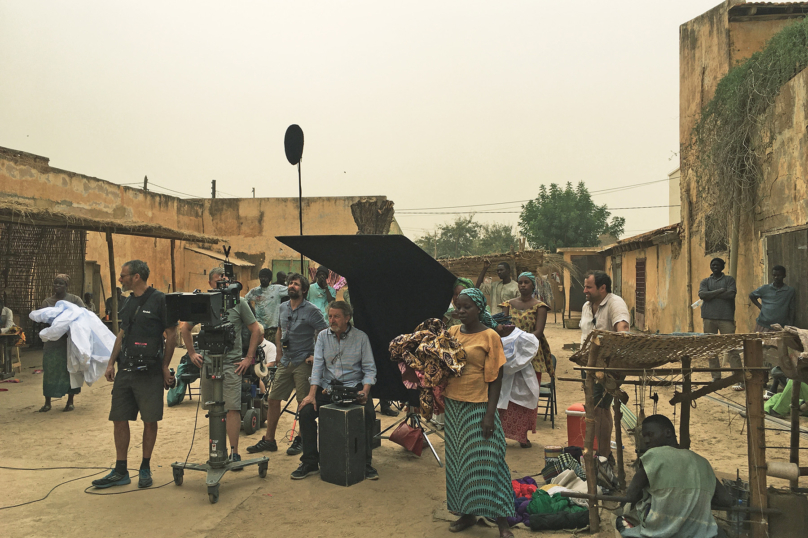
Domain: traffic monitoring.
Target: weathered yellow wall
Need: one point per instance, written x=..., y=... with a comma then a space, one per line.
x=249, y=225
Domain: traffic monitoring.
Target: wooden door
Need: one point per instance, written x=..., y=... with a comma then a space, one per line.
x=639, y=295
x=790, y=249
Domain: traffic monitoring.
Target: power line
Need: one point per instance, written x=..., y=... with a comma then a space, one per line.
x=517, y=212
x=603, y=191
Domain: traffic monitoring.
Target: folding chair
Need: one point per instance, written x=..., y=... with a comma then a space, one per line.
x=547, y=391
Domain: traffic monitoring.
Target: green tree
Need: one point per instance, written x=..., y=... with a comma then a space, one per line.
x=566, y=218
x=464, y=237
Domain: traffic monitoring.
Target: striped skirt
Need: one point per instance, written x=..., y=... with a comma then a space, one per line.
x=478, y=481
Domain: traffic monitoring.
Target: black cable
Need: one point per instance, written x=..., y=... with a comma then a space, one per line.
x=193, y=438
x=52, y=489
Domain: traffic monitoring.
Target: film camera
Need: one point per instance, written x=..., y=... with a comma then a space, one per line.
x=342, y=394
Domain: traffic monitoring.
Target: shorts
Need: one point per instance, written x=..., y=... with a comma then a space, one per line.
x=291, y=377
x=231, y=389
x=134, y=392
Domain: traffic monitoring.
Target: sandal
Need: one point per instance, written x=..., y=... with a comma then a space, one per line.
x=45, y=408
x=69, y=407
x=737, y=387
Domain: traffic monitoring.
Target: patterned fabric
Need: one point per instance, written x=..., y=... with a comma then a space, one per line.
x=465, y=282
x=517, y=420
x=479, y=299
x=55, y=377
x=478, y=481
x=434, y=356
x=526, y=320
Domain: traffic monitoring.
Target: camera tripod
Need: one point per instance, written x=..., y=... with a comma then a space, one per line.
x=218, y=463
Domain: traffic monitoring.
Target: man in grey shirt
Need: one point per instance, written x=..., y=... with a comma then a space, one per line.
x=777, y=302
x=717, y=292
x=343, y=354
x=299, y=323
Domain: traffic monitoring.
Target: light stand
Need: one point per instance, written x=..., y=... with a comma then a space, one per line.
x=413, y=419
x=218, y=463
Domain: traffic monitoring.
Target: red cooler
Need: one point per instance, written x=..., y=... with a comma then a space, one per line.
x=576, y=425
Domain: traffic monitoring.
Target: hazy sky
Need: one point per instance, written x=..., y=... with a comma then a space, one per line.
x=434, y=104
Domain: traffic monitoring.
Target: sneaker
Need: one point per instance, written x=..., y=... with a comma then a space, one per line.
x=296, y=447
x=144, y=479
x=114, y=478
x=767, y=395
x=738, y=387
x=371, y=473
x=263, y=445
x=305, y=470
x=234, y=458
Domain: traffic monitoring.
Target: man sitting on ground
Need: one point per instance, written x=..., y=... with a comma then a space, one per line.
x=342, y=353
x=673, y=489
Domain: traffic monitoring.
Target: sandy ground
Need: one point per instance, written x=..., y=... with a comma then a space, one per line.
x=404, y=502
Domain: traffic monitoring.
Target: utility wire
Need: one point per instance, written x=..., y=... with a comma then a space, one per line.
x=516, y=212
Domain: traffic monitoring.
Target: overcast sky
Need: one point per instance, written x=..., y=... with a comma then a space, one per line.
x=433, y=104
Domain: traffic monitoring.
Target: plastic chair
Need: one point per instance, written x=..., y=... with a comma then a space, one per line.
x=547, y=391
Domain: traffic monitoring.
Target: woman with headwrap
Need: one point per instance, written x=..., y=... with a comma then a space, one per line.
x=478, y=481
x=450, y=317
x=530, y=315
x=55, y=377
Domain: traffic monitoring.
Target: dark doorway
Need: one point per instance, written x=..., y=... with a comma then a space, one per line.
x=790, y=250
x=639, y=309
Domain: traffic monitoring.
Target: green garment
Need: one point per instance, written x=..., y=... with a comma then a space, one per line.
x=543, y=503
x=56, y=378
x=676, y=502
x=781, y=403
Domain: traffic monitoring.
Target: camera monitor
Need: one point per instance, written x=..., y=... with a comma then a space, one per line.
x=205, y=308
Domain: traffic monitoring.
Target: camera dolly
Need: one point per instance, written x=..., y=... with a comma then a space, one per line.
x=218, y=463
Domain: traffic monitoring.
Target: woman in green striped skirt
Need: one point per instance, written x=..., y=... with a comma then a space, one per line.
x=478, y=481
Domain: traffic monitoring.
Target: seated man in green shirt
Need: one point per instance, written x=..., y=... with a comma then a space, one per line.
x=234, y=364
x=673, y=490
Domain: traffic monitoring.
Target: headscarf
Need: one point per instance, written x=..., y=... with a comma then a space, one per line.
x=62, y=276
x=465, y=282
x=479, y=299
x=531, y=276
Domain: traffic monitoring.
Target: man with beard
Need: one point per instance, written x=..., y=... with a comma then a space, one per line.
x=299, y=323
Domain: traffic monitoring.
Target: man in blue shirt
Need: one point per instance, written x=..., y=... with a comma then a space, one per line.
x=320, y=293
x=342, y=353
x=299, y=323
x=776, y=301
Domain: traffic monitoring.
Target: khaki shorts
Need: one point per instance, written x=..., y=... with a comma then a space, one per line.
x=134, y=392
x=291, y=377
x=231, y=389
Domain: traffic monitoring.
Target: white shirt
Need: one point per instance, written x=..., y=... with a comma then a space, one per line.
x=519, y=382
x=6, y=320
x=612, y=310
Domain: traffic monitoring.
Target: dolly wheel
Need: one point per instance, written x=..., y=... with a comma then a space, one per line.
x=213, y=494
x=250, y=422
x=178, y=476
x=262, y=470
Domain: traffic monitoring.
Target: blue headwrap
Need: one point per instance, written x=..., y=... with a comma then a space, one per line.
x=529, y=275
x=479, y=299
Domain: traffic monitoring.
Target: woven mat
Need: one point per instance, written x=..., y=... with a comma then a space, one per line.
x=633, y=350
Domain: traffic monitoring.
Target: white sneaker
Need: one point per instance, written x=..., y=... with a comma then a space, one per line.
x=767, y=395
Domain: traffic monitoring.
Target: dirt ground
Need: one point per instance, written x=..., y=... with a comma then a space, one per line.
x=404, y=502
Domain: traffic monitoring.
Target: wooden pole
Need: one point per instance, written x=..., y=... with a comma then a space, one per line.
x=794, y=457
x=589, y=440
x=173, y=268
x=684, y=422
x=688, y=260
x=113, y=294
x=756, y=435
x=300, y=209
x=618, y=439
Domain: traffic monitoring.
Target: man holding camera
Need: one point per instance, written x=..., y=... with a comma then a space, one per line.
x=300, y=322
x=143, y=357
x=233, y=365
x=342, y=354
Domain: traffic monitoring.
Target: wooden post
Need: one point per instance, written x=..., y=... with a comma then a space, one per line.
x=173, y=268
x=112, y=279
x=756, y=435
x=688, y=260
x=618, y=439
x=794, y=457
x=684, y=423
x=589, y=439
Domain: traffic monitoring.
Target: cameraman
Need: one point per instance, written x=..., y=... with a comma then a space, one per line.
x=343, y=354
x=143, y=373
x=300, y=322
x=233, y=365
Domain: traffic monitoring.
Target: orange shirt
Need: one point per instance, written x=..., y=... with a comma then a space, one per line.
x=484, y=358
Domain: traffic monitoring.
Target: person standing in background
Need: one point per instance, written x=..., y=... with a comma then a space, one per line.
x=717, y=292
x=499, y=292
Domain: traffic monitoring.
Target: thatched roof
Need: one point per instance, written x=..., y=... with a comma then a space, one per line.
x=526, y=260
x=19, y=213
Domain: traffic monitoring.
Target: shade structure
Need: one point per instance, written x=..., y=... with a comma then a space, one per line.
x=394, y=286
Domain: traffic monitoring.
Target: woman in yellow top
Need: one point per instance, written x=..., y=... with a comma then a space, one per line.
x=530, y=315
x=478, y=481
